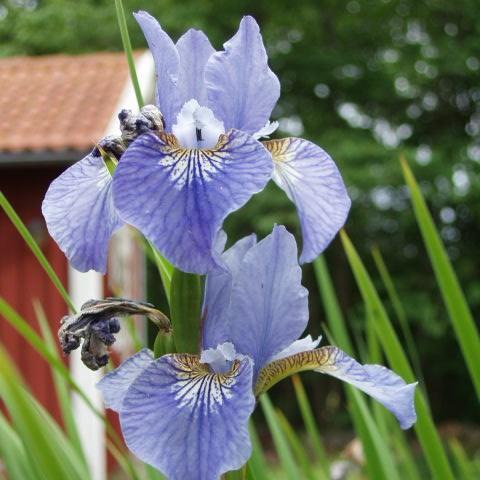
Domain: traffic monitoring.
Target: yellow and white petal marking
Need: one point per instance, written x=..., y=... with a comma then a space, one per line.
x=188, y=165
x=196, y=382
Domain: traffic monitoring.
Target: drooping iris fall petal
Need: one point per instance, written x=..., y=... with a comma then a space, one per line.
x=178, y=197
x=80, y=215
x=313, y=183
x=188, y=421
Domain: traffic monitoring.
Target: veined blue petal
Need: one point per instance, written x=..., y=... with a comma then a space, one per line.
x=188, y=422
x=80, y=215
x=218, y=292
x=114, y=384
x=312, y=181
x=269, y=306
x=377, y=381
x=194, y=49
x=167, y=65
x=242, y=90
x=178, y=198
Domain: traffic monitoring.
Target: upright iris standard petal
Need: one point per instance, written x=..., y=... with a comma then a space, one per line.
x=218, y=292
x=194, y=49
x=188, y=422
x=114, y=384
x=167, y=65
x=312, y=181
x=178, y=198
x=269, y=307
x=78, y=208
x=242, y=90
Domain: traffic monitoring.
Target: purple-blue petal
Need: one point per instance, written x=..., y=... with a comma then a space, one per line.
x=269, y=306
x=218, y=291
x=79, y=212
x=188, y=422
x=312, y=181
x=194, y=49
x=167, y=64
x=377, y=381
x=178, y=198
x=242, y=90
x=114, y=384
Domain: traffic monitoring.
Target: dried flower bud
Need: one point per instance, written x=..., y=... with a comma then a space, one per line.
x=97, y=323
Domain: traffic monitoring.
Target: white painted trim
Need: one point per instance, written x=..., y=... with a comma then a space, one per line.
x=84, y=286
x=145, y=68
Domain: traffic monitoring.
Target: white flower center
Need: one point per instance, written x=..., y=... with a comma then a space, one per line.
x=197, y=126
x=220, y=359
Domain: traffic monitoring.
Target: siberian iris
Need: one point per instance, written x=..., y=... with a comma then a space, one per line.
x=178, y=180
x=187, y=415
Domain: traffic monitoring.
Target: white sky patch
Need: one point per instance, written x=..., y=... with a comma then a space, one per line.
x=423, y=155
x=447, y=215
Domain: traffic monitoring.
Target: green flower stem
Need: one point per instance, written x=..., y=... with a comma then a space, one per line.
x=127, y=46
x=185, y=311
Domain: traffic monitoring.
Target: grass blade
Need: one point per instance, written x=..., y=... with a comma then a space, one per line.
x=13, y=453
x=281, y=444
x=310, y=424
x=297, y=448
x=61, y=386
x=127, y=46
x=425, y=427
x=380, y=463
x=398, y=309
x=452, y=294
x=49, y=449
x=32, y=244
x=257, y=466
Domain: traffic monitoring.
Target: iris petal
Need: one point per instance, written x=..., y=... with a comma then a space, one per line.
x=242, y=90
x=80, y=215
x=194, y=49
x=218, y=292
x=377, y=381
x=188, y=422
x=178, y=198
x=269, y=306
x=114, y=384
x=167, y=65
x=312, y=181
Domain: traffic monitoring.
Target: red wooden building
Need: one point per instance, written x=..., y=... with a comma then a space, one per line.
x=54, y=108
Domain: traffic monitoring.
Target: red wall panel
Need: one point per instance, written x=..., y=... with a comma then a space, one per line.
x=22, y=279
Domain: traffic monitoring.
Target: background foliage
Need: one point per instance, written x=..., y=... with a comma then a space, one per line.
x=366, y=80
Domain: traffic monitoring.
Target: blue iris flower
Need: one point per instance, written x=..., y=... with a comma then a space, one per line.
x=177, y=183
x=187, y=415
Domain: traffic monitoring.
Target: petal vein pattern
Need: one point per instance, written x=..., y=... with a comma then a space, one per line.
x=187, y=421
x=178, y=198
x=80, y=215
x=313, y=183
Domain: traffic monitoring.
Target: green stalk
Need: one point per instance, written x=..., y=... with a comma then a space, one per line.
x=398, y=309
x=452, y=294
x=425, y=427
x=127, y=47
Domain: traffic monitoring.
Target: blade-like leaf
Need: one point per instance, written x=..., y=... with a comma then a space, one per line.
x=452, y=294
x=281, y=444
x=425, y=427
x=380, y=463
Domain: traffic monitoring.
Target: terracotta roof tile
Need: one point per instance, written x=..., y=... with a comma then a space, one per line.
x=58, y=102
